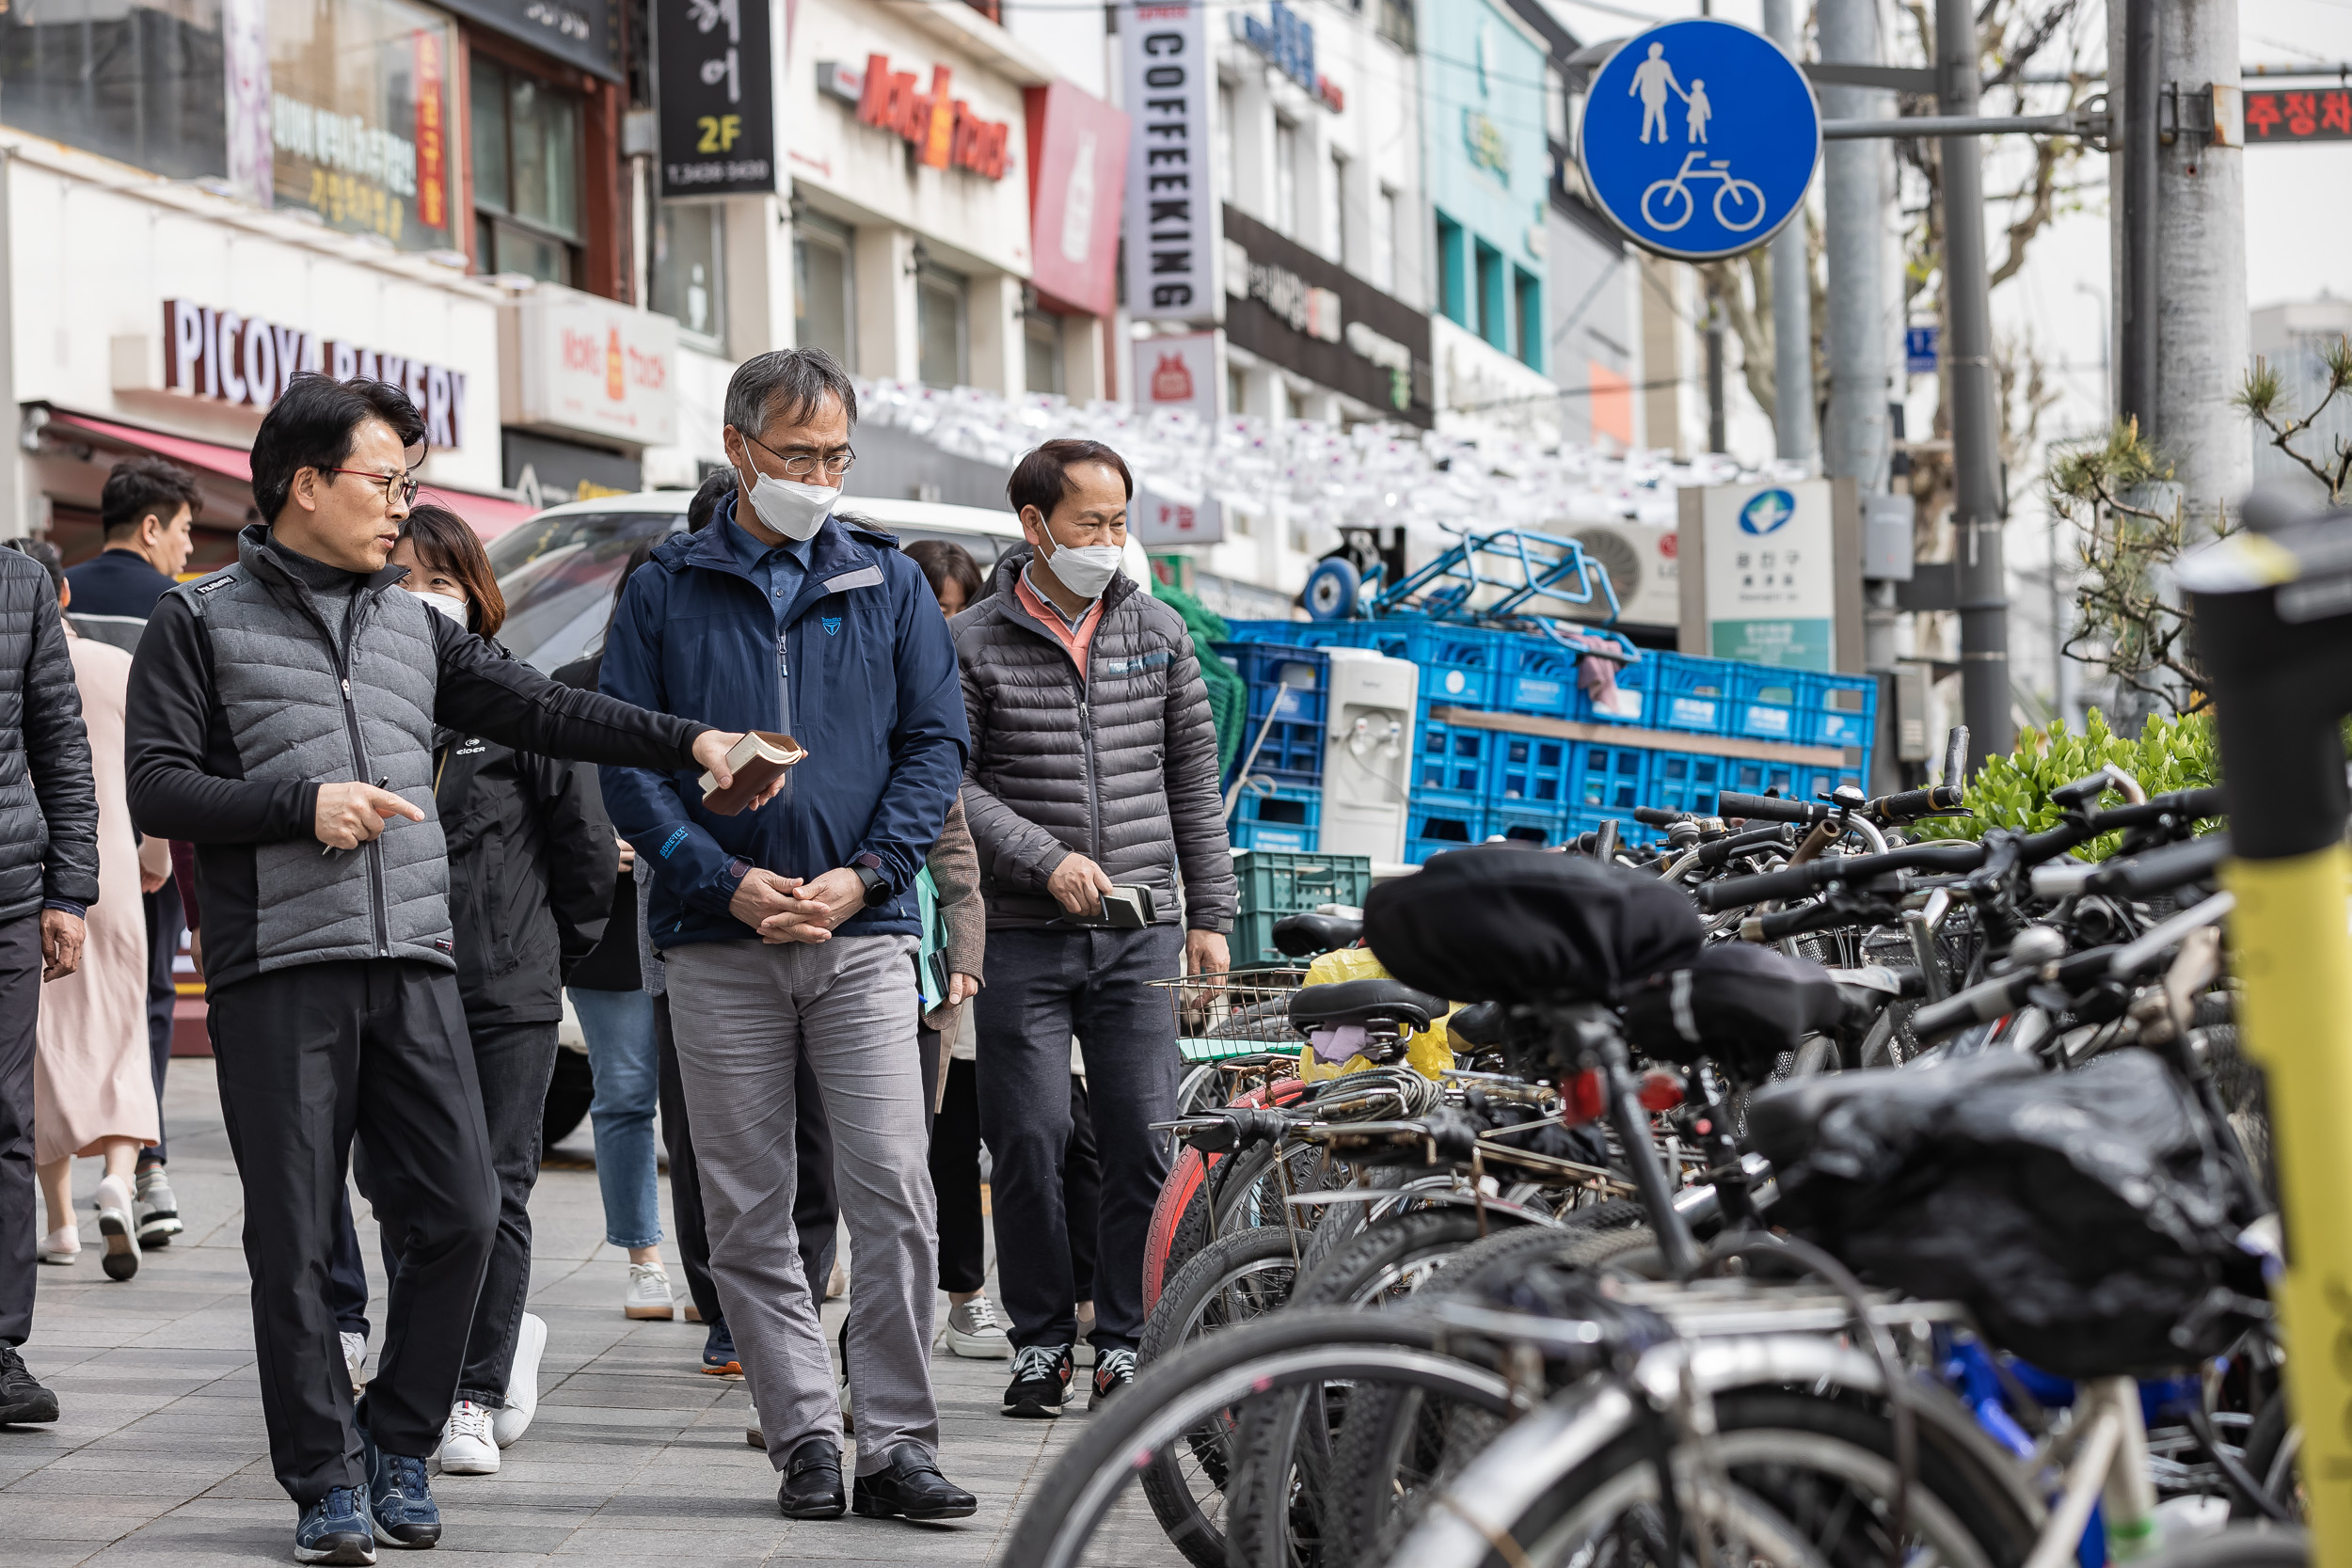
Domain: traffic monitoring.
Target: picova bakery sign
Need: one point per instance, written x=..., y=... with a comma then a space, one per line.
x=944, y=130
x=221, y=356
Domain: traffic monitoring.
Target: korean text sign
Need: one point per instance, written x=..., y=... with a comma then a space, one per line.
x=717, y=104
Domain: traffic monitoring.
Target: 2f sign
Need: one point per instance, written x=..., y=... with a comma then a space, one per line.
x=719, y=132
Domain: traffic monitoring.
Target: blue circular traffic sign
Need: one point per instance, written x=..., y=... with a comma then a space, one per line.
x=1700, y=138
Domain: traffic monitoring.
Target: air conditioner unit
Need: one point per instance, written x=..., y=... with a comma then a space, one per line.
x=1640, y=563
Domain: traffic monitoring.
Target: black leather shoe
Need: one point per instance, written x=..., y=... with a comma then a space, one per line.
x=911, y=1487
x=812, y=1483
x=22, y=1397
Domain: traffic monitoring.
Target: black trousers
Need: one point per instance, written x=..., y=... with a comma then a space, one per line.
x=513, y=1063
x=816, y=1213
x=167, y=923
x=20, y=1220
x=1044, y=985
x=308, y=1056
x=955, y=1177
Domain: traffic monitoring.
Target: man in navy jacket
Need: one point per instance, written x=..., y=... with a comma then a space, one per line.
x=791, y=931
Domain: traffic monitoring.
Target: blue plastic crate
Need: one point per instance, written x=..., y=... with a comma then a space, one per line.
x=1285, y=817
x=1452, y=757
x=1841, y=710
x=1630, y=703
x=1439, y=820
x=1694, y=694
x=1287, y=681
x=1589, y=821
x=1530, y=770
x=1545, y=827
x=1770, y=705
x=1610, y=778
x=1459, y=665
x=1751, y=776
x=1291, y=753
x=1686, y=780
x=1538, y=676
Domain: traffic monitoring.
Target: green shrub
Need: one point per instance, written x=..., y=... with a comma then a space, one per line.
x=2014, y=791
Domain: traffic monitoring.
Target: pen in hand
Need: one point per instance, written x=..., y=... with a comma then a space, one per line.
x=325, y=850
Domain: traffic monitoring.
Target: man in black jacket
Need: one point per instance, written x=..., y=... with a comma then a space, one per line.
x=48, y=877
x=148, y=510
x=263, y=701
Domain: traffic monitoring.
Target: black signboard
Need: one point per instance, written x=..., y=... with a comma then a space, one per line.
x=714, y=97
x=1295, y=309
x=585, y=33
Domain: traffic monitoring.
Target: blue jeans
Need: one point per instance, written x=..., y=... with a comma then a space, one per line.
x=626, y=1061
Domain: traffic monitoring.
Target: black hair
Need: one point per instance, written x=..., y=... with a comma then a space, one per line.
x=45, y=555
x=144, y=487
x=447, y=543
x=1041, y=479
x=705, y=505
x=786, y=384
x=944, y=561
x=314, y=423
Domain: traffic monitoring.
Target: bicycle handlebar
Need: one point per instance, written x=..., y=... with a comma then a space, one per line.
x=1657, y=817
x=1797, y=880
x=1911, y=804
x=1989, y=999
x=2161, y=870
x=1773, y=807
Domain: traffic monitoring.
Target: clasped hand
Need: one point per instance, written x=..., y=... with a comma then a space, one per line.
x=791, y=909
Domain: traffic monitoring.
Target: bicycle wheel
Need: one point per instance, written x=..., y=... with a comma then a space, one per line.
x=1079, y=1517
x=1393, y=1257
x=1234, y=1280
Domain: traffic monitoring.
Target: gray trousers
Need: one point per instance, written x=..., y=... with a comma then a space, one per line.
x=744, y=1013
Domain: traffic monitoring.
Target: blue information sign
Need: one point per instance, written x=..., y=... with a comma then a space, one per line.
x=1920, y=346
x=1700, y=138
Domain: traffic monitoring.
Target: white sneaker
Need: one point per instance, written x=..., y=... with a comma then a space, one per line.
x=355, y=1362
x=467, y=1448
x=975, y=1333
x=522, y=1383
x=114, y=1225
x=61, y=1245
x=752, y=1434
x=648, y=1292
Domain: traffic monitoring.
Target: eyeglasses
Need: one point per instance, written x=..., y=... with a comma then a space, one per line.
x=385, y=482
x=801, y=464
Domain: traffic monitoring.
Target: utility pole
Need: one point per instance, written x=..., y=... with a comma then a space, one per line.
x=2138, y=342
x=2201, y=236
x=1975, y=436
x=1792, y=302
x=1854, y=443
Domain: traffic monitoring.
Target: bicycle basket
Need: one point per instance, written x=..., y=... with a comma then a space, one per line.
x=1219, y=1017
x=2087, y=1218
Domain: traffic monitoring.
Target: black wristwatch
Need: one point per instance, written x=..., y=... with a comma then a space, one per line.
x=869, y=869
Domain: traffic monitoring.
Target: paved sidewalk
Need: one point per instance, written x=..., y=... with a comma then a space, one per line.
x=635, y=1455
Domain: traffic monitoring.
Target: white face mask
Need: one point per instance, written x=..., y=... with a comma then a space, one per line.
x=795, y=511
x=448, y=603
x=1086, y=570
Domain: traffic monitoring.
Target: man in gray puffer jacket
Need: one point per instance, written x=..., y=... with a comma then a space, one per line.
x=1093, y=767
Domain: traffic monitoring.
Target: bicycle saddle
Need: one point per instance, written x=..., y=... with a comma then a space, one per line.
x=1740, y=1004
x=1481, y=1024
x=1365, y=1003
x=1303, y=936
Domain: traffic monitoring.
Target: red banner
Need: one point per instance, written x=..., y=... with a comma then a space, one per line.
x=2298, y=114
x=432, y=151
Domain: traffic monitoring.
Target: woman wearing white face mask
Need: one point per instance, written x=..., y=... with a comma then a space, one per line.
x=531, y=868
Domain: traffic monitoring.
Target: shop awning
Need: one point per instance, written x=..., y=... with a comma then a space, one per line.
x=490, y=515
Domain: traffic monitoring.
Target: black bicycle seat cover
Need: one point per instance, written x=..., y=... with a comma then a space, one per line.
x=1737, y=1003
x=1303, y=936
x=1498, y=923
x=1364, y=1002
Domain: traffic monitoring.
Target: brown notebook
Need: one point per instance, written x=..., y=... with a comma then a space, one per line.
x=755, y=762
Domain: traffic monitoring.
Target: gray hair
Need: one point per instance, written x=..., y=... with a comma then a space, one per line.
x=789, y=384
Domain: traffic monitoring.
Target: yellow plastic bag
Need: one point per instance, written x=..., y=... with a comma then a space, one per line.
x=1427, y=1052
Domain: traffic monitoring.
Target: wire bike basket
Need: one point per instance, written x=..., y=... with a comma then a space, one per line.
x=1219, y=1017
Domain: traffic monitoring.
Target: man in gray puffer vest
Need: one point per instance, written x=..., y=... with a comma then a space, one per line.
x=281, y=718
x=1093, y=767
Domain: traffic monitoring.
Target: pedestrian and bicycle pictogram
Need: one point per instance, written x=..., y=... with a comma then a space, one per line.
x=1693, y=171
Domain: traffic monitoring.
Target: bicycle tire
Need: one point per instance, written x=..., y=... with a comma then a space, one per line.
x=1077, y=1496
x=1263, y=1258
x=1792, y=1449
x=1383, y=1255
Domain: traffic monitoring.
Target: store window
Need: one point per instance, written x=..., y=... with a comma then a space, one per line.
x=1041, y=341
x=1236, y=394
x=940, y=336
x=1452, y=286
x=823, y=304
x=142, y=83
x=1528, y=306
x=1286, y=179
x=1493, y=323
x=1335, y=208
x=690, y=240
x=360, y=117
x=1384, y=240
x=526, y=174
x=1226, y=130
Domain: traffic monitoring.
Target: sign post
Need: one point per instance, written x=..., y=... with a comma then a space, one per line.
x=1700, y=139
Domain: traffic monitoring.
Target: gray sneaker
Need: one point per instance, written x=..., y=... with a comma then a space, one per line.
x=975, y=1333
x=157, y=1211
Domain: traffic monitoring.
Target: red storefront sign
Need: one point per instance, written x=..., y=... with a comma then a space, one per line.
x=1077, y=188
x=944, y=131
x=2298, y=114
x=431, y=153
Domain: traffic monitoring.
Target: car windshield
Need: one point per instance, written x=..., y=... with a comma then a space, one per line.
x=559, y=572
